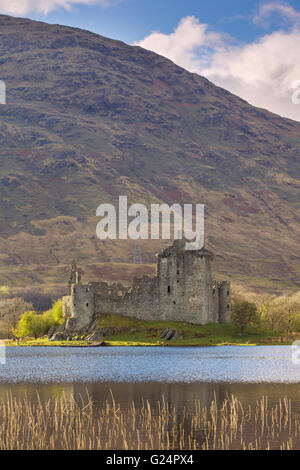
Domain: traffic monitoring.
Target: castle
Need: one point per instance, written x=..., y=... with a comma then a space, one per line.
x=182, y=290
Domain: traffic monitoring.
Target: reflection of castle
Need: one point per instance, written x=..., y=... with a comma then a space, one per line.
x=183, y=290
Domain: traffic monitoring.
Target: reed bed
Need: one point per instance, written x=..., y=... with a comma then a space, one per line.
x=69, y=423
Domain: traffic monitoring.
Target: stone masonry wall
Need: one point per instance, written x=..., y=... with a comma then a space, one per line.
x=182, y=290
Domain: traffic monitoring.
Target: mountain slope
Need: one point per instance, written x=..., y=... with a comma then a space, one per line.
x=88, y=118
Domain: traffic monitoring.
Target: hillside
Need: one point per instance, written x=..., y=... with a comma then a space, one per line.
x=88, y=118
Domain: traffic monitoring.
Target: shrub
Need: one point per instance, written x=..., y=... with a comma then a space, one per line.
x=243, y=314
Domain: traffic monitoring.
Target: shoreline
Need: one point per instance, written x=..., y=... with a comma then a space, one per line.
x=113, y=344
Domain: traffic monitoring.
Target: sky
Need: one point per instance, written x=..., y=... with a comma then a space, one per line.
x=248, y=47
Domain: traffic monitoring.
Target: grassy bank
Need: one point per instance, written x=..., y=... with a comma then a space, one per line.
x=132, y=332
x=126, y=331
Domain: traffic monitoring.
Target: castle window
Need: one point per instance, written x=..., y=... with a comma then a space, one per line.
x=174, y=302
x=228, y=307
x=87, y=305
x=169, y=289
x=177, y=282
x=87, y=289
x=178, y=272
x=228, y=292
x=74, y=305
x=74, y=289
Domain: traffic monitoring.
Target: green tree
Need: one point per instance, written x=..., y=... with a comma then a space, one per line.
x=57, y=312
x=30, y=324
x=243, y=314
x=33, y=324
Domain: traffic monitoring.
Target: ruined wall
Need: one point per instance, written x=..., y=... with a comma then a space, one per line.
x=214, y=302
x=139, y=301
x=182, y=290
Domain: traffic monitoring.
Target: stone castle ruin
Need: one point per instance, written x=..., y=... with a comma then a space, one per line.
x=183, y=290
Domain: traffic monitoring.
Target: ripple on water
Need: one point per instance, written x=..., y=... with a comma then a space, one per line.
x=140, y=364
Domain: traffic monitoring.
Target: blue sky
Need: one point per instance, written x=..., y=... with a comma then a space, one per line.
x=246, y=46
x=132, y=20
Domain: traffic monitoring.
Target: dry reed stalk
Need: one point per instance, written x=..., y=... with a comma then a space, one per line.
x=67, y=423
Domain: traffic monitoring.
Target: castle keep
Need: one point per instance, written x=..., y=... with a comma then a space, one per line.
x=183, y=290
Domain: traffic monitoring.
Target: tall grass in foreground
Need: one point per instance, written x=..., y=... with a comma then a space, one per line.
x=66, y=423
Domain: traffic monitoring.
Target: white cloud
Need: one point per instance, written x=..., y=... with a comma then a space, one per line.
x=190, y=45
x=22, y=7
x=282, y=9
x=262, y=72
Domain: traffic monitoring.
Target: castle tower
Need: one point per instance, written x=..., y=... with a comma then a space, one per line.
x=78, y=307
x=224, y=302
x=184, y=283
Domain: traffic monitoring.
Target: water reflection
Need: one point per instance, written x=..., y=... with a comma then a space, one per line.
x=177, y=395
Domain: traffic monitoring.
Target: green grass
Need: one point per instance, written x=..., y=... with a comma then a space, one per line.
x=45, y=342
x=133, y=332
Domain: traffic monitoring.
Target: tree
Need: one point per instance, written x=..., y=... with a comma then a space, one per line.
x=11, y=310
x=243, y=314
x=282, y=313
x=34, y=324
x=57, y=312
x=293, y=313
x=30, y=324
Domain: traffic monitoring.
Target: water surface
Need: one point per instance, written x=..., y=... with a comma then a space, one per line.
x=176, y=377
x=231, y=364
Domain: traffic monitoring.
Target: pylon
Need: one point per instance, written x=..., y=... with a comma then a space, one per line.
x=137, y=253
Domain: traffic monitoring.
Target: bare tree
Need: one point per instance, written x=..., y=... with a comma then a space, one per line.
x=11, y=310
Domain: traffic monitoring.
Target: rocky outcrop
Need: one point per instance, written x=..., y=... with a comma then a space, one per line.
x=96, y=336
x=59, y=334
x=51, y=332
x=67, y=332
x=170, y=334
